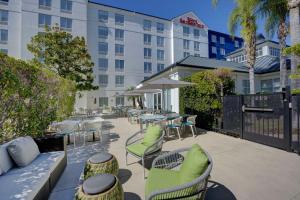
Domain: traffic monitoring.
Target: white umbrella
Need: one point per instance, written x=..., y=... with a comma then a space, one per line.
x=163, y=84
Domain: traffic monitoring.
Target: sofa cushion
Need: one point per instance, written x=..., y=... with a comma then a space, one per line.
x=137, y=149
x=194, y=164
x=98, y=184
x=23, y=150
x=159, y=179
x=6, y=163
x=25, y=182
x=152, y=134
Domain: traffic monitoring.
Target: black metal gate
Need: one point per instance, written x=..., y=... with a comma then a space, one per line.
x=265, y=119
x=232, y=115
x=295, y=138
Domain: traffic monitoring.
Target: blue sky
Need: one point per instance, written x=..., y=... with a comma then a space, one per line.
x=215, y=18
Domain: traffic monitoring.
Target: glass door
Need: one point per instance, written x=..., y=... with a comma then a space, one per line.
x=157, y=101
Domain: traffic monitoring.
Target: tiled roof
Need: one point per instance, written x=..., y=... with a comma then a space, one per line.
x=267, y=64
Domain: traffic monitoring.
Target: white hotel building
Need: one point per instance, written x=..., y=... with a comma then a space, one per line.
x=126, y=46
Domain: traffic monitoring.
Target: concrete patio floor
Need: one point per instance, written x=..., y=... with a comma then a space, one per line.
x=242, y=170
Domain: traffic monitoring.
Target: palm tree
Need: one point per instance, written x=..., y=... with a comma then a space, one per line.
x=295, y=31
x=276, y=14
x=244, y=15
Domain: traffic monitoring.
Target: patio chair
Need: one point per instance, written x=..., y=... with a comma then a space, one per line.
x=145, y=144
x=180, y=174
x=91, y=128
x=175, y=125
x=190, y=122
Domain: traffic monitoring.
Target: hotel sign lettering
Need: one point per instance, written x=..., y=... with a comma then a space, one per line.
x=192, y=22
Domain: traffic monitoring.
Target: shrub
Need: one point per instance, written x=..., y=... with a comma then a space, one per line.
x=204, y=99
x=31, y=98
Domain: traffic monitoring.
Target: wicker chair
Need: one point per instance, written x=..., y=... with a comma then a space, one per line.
x=148, y=152
x=191, y=190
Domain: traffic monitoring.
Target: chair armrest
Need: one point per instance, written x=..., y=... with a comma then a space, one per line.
x=134, y=138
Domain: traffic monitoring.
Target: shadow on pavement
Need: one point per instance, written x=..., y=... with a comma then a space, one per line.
x=217, y=191
x=124, y=175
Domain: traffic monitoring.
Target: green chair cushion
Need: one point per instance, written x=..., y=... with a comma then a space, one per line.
x=159, y=179
x=173, y=125
x=194, y=164
x=137, y=149
x=152, y=135
x=188, y=123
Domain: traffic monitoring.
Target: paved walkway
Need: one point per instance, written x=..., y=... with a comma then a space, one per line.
x=242, y=170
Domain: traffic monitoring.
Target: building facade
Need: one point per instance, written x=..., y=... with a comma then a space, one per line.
x=221, y=44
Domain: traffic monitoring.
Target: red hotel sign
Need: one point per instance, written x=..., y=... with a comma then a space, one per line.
x=192, y=22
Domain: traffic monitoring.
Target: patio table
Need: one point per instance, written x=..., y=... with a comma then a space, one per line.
x=150, y=118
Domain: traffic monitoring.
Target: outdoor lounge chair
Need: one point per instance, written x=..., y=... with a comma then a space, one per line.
x=145, y=144
x=178, y=175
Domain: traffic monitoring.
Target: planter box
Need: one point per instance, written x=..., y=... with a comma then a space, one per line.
x=50, y=143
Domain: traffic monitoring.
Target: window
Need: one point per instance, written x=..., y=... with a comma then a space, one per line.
x=120, y=101
x=266, y=86
x=102, y=32
x=119, y=50
x=103, y=48
x=45, y=4
x=4, y=51
x=160, y=54
x=186, y=44
x=160, y=41
x=259, y=52
x=246, y=86
x=147, y=53
x=196, y=33
x=147, y=67
x=66, y=23
x=197, y=46
x=103, y=80
x=236, y=44
x=66, y=5
x=44, y=20
x=160, y=27
x=197, y=54
x=119, y=65
x=147, y=25
x=222, y=52
x=214, y=50
x=103, y=101
x=4, y=2
x=276, y=85
x=274, y=52
x=102, y=16
x=119, y=19
x=160, y=67
x=3, y=17
x=119, y=81
x=119, y=34
x=147, y=39
x=222, y=40
x=3, y=36
x=102, y=64
x=186, y=54
x=186, y=31
x=214, y=38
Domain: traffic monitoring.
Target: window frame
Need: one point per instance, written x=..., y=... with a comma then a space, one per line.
x=67, y=21
x=119, y=31
x=68, y=4
x=44, y=17
x=147, y=53
x=103, y=68
x=1, y=17
x=105, y=51
x=147, y=25
x=104, y=83
x=118, y=22
x=118, y=65
x=103, y=16
x=147, y=67
x=119, y=49
x=104, y=30
x=119, y=80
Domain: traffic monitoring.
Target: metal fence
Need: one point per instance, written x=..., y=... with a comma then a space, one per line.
x=271, y=119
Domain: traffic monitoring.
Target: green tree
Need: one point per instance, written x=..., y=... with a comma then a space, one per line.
x=64, y=54
x=276, y=14
x=294, y=8
x=244, y=15
x=294, y=51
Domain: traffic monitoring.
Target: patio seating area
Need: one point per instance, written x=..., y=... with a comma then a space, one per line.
x=241, y=169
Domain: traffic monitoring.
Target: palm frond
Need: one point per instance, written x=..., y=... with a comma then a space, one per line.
x=234, y=20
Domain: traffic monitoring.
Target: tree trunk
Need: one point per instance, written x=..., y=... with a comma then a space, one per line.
x=251, y=79
x=282, y=34
x=295, y=38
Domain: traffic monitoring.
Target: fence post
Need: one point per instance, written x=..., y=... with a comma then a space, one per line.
x=242, y=116
x=287, y=127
